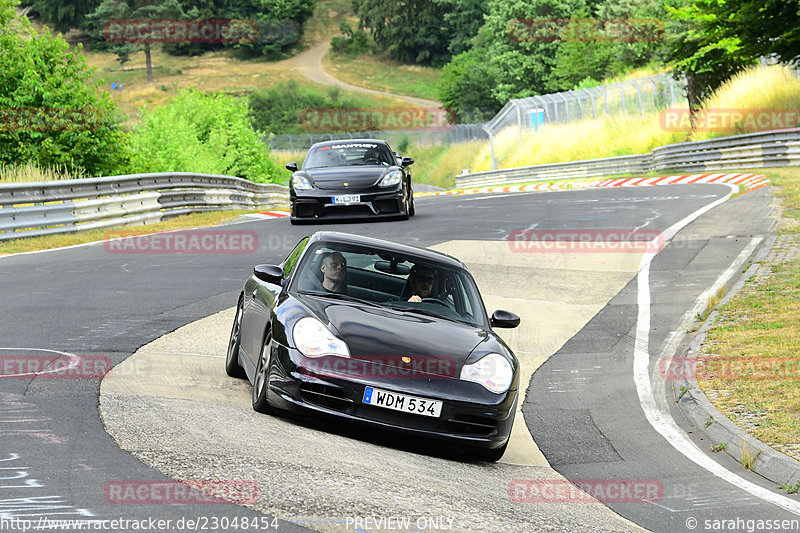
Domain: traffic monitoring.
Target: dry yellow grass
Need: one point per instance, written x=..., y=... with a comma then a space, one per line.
x=774, y=87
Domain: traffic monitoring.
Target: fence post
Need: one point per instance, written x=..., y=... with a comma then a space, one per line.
x=639, y=94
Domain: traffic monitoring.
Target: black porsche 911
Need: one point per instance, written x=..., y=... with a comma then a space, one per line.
x=381, y=333
x=349, y=179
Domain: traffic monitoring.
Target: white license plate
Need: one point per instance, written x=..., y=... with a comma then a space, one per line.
x=347, y=199
x=402, y=402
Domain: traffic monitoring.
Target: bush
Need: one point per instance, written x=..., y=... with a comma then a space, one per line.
x=352, y=44
x=278, y=110
x=207, y=133
x=51, y=112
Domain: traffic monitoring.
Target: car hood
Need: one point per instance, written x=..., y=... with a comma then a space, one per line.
x=377, y=334
x=357, y=177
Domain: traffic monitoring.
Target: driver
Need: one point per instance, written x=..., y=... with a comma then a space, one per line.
x=334, y=272
x=373, y=154
x=421, y=281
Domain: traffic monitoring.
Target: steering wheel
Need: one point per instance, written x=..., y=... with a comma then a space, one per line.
x=435, y=301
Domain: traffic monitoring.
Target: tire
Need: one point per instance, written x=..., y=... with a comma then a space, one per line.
x=261, y=379
x=411, y=210
x=232, y=366
x=492, y=455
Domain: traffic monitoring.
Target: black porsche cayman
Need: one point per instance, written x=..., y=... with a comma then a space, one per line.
x=377, y=332
x=350, y=179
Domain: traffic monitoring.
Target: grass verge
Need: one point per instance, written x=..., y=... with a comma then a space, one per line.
x=374, y=71
x=748, y=364
x=48, y=242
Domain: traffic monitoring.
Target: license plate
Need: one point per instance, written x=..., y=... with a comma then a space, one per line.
x=402, y=402
x=347, y=199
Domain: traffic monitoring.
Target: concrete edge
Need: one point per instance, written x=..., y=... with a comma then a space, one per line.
x=710, y=422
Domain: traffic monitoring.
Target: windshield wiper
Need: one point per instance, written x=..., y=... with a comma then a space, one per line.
x=339, y=296
x=418, y=311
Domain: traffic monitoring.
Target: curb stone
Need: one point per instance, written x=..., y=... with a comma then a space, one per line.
x=698, y=410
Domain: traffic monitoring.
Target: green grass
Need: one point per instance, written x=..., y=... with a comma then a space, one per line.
x=374, y=71
x=751, y=350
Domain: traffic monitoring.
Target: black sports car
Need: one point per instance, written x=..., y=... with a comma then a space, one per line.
x=377, y=332
x=349, y=179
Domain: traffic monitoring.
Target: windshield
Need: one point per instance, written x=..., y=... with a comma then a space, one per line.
x=396, y=281
x=349, y=154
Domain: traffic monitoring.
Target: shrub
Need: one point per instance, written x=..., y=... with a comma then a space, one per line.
x=51, y=112
x=198, y=132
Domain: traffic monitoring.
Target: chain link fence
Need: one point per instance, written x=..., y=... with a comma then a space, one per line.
x=640, y=95
x=454, y=134
x=633, y=96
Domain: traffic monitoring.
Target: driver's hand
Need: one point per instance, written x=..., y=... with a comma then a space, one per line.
x=415, y=298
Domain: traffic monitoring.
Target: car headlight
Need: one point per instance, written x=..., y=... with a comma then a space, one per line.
x=391, y=179
x=493, y=371
x=299, y=183
x=313, y=339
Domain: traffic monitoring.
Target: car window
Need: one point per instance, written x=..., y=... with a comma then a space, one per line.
x=385, y=279
x=291, y=260
x=349, y=154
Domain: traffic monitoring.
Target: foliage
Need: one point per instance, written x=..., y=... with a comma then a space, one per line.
x=701, y=52
x=55, y=115
x=197, y=132
x=280, y=23
x=410, y=31
x=463, y=19
x=466, y=86
x=278, y=110
x=353, y=43
x=62, y=14
x=131, y=10
x=628, y=35
x=523, y=62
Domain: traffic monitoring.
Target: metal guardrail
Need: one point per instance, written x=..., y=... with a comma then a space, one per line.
x=753, y=150
x=48, y=207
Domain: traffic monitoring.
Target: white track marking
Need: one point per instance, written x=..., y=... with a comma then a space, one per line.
x=661, y=421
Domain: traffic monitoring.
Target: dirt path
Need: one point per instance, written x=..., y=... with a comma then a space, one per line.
x=309, y=63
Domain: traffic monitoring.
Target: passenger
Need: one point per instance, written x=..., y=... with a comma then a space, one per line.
x=334, y=272
x=420, y=279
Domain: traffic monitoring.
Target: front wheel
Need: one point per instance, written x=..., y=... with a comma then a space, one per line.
x=411, y=210
x=232, y=366
x=261, y=381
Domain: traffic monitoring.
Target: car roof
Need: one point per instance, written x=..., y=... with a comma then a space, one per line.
x=383, y=244
x=350, y=141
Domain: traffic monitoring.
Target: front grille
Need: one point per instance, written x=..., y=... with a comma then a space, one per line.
x=473, y=425
x=326, y=396
x=305, y=210
x=387, y=206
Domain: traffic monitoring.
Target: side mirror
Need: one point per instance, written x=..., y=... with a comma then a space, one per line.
x=504, y=319
x=291, y=166
x=269, y=273
x=407, y=161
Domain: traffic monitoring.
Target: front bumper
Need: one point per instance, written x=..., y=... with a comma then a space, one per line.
x=463, y=419
x=315, y=205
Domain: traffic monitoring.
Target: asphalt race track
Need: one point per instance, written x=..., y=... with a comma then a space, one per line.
x=587, y=407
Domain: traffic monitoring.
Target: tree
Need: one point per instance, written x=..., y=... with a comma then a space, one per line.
x=702, y=50
x=521, y=43
x=280, y=23
x=51, y=111
x=466, y=86
x=412, y=31
x=463, y=19
x=64, y=15
x=130, y=11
